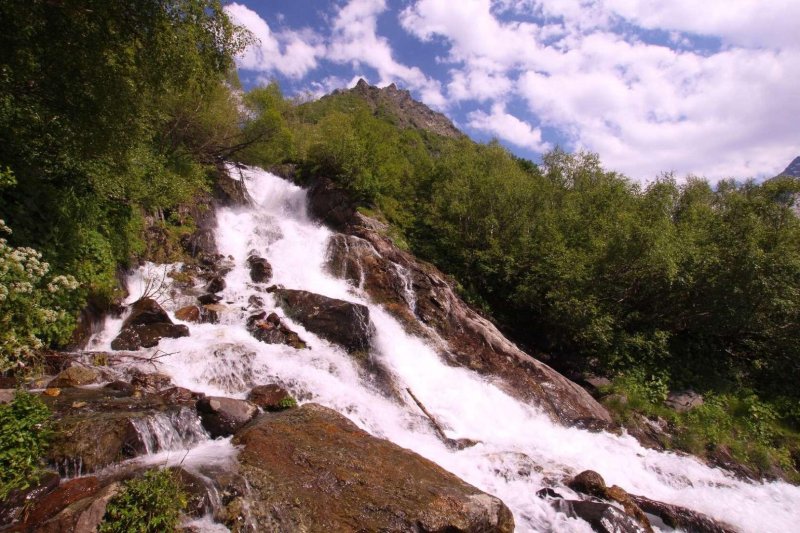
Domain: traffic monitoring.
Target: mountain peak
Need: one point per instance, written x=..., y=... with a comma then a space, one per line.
x=793, y=169
x=408, y=112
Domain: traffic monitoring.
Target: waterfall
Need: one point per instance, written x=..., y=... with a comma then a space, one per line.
x=519, y=450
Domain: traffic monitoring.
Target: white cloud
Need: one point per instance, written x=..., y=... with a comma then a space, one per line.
x=643, y=107
x=508, y=128
x=354, y=40
x=292, y=53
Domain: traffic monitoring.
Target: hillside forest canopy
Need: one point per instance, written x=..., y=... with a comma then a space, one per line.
x=114, y=114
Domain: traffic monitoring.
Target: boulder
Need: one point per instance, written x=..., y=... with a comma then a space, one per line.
x=145, y=326
x=330, y=203
x=84, y=515
x=311, y=469
x=76, y=376
x=64, y=495
x=270, y=329
x=190, y=313
x=684, y=400
x=588, y=482
x=224, y=416
x=210, y=313
x=7, y=395
x=424, y=301
x=344, y=323
x=215, y=285
x=591, y=483
x=603, y=517
x=682, y=518
x=260, y=269
x=209, y=298
x=270, y=397
x=229, y=187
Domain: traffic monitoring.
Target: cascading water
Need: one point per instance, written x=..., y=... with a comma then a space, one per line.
x=520, y=449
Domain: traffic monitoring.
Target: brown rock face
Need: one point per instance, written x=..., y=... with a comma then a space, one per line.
x=269, y=329
x=338, y=321
x=147, y=324
x=418, y=294
x=311, y=469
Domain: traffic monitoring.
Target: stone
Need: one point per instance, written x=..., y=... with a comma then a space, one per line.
x=224, y=416
x=681, y=518
x=588, y=482
x=260, y=269
x=145, y=326
x=190, y=313
x=84, y=515
x=209, y=298
x=270, y=397
x=684, y=400
x=269, y=329
x=121, y=386
x=52, y=391
x=76, y=376
x=64, y=495
x=212, y=312
x=311, y=469
x=174, y=395
x=215, y=285
x=340, y=322
x=150, y=381
x=603, y=517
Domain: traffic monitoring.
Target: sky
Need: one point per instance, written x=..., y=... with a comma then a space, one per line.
x=708, y=88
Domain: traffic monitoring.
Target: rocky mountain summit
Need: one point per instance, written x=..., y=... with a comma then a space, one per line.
x=407, y=112
x=793, y=169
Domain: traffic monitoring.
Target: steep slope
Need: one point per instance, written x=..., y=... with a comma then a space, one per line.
x=793, y=169
x=402, y=108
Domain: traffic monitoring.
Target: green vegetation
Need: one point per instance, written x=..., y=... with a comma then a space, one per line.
x=24, y=435
x=739, y=425
x=148, y=504
x=112, y=114
x=287, y=403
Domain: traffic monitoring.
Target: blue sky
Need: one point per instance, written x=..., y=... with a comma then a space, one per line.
x=707, y=88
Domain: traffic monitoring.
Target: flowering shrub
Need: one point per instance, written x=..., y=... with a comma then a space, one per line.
x=35, y=309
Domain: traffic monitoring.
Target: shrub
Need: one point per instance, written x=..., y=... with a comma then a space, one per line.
x=35, y=309
x=148, y=504
x=24, y=434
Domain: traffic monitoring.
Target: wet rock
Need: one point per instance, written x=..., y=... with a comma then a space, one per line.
x=179, y=395
x=211, y=313
x=548, y=493
x=344, y=323
x=199, y=501
x=121, y=386
x=215, y=285
x=423, y=300
x=17, y=501
x=681, y=518
x=150, y=381
x=270, y=329
x=603, y=517
x=76, y=376
x=207, y=299
x=260, y=269
x=190, y=313
x=270, y=397
x=224, y=416
x=684, y=400
x=588, y=482
x=145, y=326
x=256, y=302
x=64, y=495
x=85, y=442
x=84, y=515
x=311, y=469
x=229, y=187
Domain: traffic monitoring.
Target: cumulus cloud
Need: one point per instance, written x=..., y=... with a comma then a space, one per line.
x=508, y=128
x=292, y=53
x=354, y=39
x=643, y=106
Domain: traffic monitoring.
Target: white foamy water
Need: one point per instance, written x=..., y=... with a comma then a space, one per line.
x=521, y=450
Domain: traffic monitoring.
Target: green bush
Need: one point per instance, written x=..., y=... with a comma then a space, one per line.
x=35, y=309
x=148, y=504
x=24, y=434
